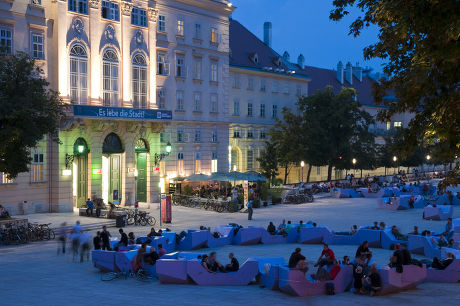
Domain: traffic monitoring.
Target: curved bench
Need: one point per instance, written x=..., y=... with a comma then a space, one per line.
x=451, y=274
x=313, y=235
x=295, y=283
x=225, y=239
x=268, y=275
x=195, y=239
x=104, y=260
x=172, y=271
x=268, y=238
x=440, y=212
x=393, y=281
x=387, y=240
x=248, y=235
x=423, y=245
x=242, y=277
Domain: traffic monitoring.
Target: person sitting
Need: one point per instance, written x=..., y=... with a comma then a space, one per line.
x=415, y=231
x=397, y=233
x=346, y=261
x=161, y=251
x=234, y=265
x=451, y=243
x=363, y=253
x=411, y=201
x=354, y=229
x=90, y=207
x=138, y=262
x=153, y=233
x=358, y=275
x=382, y=226
x=152, y=257
x=441, y=242
x=297, y=261
x=375, y=226
x=4, y=213
x=271, y=229
x=426, y=233
x=213, y=264
x=406, y=258
x=288, y=227
x=373, y=282
x=131, y=238
x=443, y=264
x=328, y=255
x=123, y=239
x=282, y=229
x=300, y=225
x=335, y=269
x=448, y=231
x=204, y=263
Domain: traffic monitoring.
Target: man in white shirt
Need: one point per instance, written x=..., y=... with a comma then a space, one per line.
x=84, y=240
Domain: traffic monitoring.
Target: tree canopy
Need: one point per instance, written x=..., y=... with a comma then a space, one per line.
x=28, y=111
x=419, y=41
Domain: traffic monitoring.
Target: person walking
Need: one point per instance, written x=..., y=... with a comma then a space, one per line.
x=84, y=245
x=62, y=236
x=250, y=211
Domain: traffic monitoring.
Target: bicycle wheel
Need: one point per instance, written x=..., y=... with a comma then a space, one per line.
x=51, y=234
x=151, y=220
x=143, y=221
x=130, y=220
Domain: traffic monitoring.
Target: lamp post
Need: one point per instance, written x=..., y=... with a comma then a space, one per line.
x=302, y=164
x=354, y=161
x=394, y=160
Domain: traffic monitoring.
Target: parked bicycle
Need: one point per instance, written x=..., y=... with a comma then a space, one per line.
x=140, y=218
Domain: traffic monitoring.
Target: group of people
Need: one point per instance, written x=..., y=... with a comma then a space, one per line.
x=212, y=265
x=285, y=228
x=79, y=241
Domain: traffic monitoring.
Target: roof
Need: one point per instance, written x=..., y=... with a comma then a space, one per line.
x=321, y=77
x=244, y=45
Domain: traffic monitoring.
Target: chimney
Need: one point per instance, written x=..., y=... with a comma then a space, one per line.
x=349, y=73
x=268, y=33
x=286, y=56
x=340, y=72
x=301, y=61
x=358, y=72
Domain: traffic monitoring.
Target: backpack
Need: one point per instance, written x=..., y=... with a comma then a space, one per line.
x=330, y=289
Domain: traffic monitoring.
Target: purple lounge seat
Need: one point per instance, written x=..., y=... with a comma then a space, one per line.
x=242, y=277
x=248, y=235
x=444, y=252
x=267, y=238
x=387, y=240
x=226, y=238
x=451, y=274
x=440, y=212
x=172, y=271
x=423, y=245
x=410, y=278
x=104, y=260
x=195, y=239
x=268, y=275
x=313, y=235
x=395, y=203
x=295, y=283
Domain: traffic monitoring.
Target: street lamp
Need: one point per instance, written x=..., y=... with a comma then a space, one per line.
x=234, y=167
x=168, y=147
x=302, y=164
x=394, y=160
x=353, y=161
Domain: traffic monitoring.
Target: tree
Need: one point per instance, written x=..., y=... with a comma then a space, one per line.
x=419, y=41
x=269, y=161
x=334, y=129
x=28, y=111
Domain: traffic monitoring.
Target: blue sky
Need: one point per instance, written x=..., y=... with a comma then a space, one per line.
x=303, y=26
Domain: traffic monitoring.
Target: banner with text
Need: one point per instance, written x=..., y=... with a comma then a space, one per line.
x=103, y=112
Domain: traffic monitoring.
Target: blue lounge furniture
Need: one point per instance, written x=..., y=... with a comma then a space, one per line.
x=195, y=239
x=440, y=212
x=371, y=236
x=226, y=238
x=124, y=259
x=388, y=240
x=345, y=193
x=246, y=273
x=313, y=235
x=292, y=236
x=104, y=260
x=172, y=271
x=269, y=271
x=268, y=238
x=248, y=235
x=410, y=278
x=171, y=241
x=419, y=202
x=423, y=245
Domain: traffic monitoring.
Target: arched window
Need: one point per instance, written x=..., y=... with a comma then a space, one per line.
x=78, y=74
x=112, y=144
x=139, y=81
x=110, y=78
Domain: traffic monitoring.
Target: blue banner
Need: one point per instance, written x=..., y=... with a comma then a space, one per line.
x=104, y=112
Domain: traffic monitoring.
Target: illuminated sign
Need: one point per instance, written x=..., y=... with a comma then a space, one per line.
x=97, y=171
x=66, y=172
x=121, y=113
x=131, y=170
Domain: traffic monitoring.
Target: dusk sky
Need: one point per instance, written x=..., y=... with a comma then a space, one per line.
x=303, y=26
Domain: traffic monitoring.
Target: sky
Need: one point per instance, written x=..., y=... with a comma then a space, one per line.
x=303, y=26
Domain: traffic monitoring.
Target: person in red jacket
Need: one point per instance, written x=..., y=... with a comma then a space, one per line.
x=326, y=258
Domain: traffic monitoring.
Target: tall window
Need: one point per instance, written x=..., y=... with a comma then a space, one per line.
x=214, y=162
x=139, y=17
x=236, y=107
x=6, y=41
x=213, y=71
x=250, y=84
x=236, y=134
x=197, y=101
x=397, y=124
x=262, y=134
x=197, y=69
x=236, y=81
x=78, y=6
x=198, y=31
x=180, y=135
x=162, y=64
x=197, y=136
x=180, y=163
x=180, y=66
x=162, y=137
x=110, y=78
x=249, y=109
x=213, y=108
x=4, y=179
x=250, y=134
x=263, y=85
x=275, y=86
x=275, y=111
x=197, y=162
x=213, y=35
x=262, y=110
x=110, y=11
x=180, y=27
x=37, y=46
x=179, y=100
x=139, y=81
x=37, y=167
x=250, y=160
x=214, y=136
x=162, y=23
x=78, y=75
x=161, y=98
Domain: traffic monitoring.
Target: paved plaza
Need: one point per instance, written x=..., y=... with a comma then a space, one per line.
x=33, y=274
